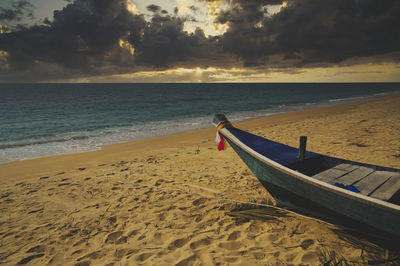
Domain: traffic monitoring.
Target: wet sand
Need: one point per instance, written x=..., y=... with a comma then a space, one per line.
x=168, y=200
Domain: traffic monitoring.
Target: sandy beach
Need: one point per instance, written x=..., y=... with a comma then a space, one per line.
x=168, y=200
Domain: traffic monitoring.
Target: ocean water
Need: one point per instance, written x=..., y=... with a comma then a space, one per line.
x=39, y=120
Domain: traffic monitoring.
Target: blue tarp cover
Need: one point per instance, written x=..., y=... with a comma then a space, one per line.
x=351, y=188
x=275, y=151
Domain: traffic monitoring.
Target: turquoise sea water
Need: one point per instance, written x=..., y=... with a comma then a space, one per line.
x=39, y=120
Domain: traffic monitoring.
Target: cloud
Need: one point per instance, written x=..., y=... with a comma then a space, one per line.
x=96, y=37
x=166, y=44
x=16, y=11
x=90, y=38
x=153, y=8
x=307, y=32
x=83, y=37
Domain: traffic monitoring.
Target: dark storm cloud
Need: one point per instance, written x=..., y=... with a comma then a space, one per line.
x=311, y=31
x=165, y=43
x=16, y=11
x=153, y=8
x=84, y=39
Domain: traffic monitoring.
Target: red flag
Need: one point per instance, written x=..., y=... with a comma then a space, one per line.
x=221, y=143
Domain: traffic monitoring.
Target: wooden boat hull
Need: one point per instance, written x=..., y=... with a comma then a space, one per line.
x=300, y=192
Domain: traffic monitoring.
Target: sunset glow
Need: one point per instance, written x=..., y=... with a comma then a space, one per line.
x=199, y=41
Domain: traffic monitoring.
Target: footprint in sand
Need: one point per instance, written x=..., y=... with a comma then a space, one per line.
x=28, y=259
x=233, y=236
x=200, y=243
x=78, y=251
x=21, y=184
x=94, y=255
x=36, y=249
x=125, y=252
x=199, y=201
x=35, y=211
x=259, y=255
x=71, y=233
x=144, y=256
x=157, y=239
x=199, y=218
x=113, y=237
x=188, y=261
x=133, y=233
x=309, y=257
x=253, y=229
x=178, y=243
x=306, y=244
x=122, y=240
x=142, y=237
x=31, y=191
x=6, y=195
x=239, y=221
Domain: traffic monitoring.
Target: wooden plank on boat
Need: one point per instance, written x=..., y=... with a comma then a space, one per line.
x=346, y=166
x=332, y=174
x=371, y=182
x=388, y=189
x=354, y=176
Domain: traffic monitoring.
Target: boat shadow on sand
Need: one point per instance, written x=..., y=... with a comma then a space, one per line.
x=380, y=250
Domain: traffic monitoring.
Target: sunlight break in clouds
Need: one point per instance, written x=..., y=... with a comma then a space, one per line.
x=206, y=41
x=127, y=45
x=199, y=15
x=132, y=7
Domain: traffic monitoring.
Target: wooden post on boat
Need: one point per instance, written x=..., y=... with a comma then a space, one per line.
x=302, y=148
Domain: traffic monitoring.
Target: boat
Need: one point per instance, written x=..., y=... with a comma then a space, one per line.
x=320, y=185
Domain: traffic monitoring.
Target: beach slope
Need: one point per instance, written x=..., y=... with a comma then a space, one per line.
x=168, y=200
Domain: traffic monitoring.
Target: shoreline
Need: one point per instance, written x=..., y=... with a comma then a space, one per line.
x=99, y=142
x=136, y=147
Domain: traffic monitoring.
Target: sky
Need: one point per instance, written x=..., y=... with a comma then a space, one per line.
x=199, y=41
